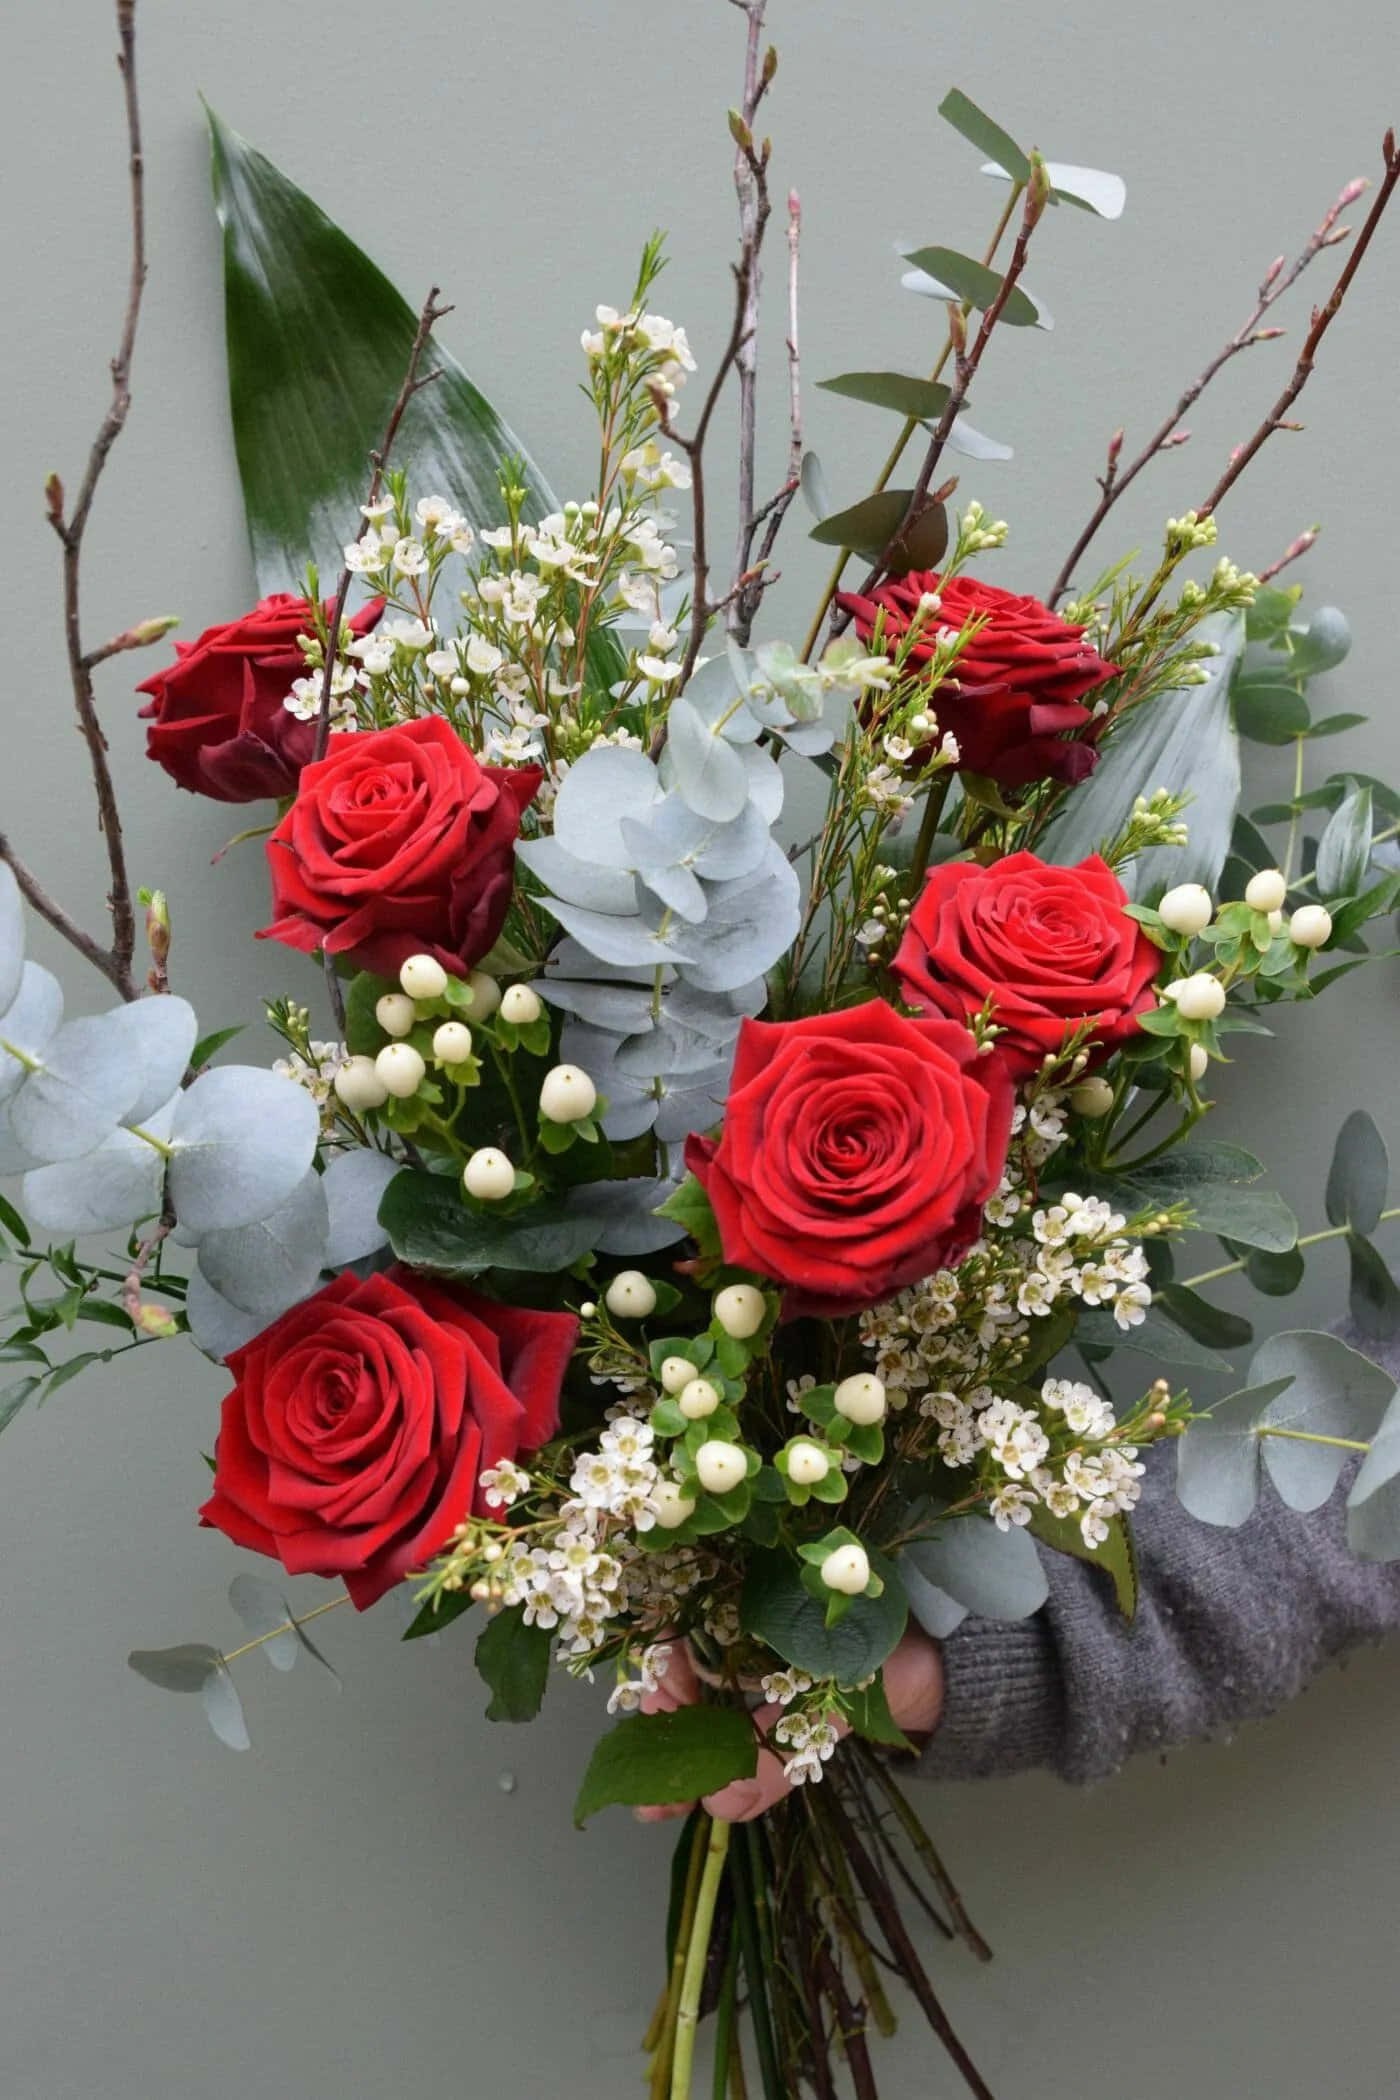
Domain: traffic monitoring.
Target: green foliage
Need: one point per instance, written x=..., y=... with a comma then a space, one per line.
x=974, y=283
x=430, y=1227
x=920, y=399
x=513, y=1658
x=1359, y=1176
x=867, y=528
x=996, y=1574
x=777, y=1608
x=1216, y=1182
x=1116, y=1556
x=665, y=1757
x=867, y=1709
x=690, y=1207
x=978, y=129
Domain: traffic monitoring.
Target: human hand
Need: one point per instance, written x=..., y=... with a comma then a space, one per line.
x=913, y=1687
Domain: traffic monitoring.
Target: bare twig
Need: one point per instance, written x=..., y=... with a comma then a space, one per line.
x=757, y=577
x=40, y=901
x=1294, y=551
x=413, y=383
x=70, y=526
x=751, y=186
x=850, y=2024
x=145, y=1319
x=1277, y=280
x=1322, y=319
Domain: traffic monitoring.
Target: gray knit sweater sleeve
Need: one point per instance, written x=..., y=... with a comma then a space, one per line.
x=1230, y=1625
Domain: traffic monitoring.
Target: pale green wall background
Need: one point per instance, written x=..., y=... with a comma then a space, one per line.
x=357, y=1907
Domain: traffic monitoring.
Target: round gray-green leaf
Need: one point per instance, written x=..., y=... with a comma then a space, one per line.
x=88, y=1080
x=709, y=773
x=267, y=1266
x=242, y=1139
x=267, y=1615
x=354, y=1184
x=107, y=1190
x=1332, y=1391
x=11, y=934
x=602, y=787
x=1373, y=1505
x=996, y=1574
x=161, y=1030
x=30, y=1022
x=217, y=1327
x=1359, y=1176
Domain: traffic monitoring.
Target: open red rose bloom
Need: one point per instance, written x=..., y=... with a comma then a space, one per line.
x=1016, y=699
x=218, y=723
x=399, y=843
x=858, y=1150
x=359, y=1423
x=1051, y=948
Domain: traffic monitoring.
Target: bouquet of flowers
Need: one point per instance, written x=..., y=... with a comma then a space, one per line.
x=695, y=1251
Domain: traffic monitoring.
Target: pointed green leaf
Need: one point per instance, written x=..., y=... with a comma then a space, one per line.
x=514, y=1660
x=900, y=391
x=977, y=128
x=975, y=283
x=1359, y=1176
x=659, y=1758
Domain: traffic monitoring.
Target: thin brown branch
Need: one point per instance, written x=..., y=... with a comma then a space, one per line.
x=413, y=383
x=147, y=1319
x=1277, y=280
x=71, y=528
x=40, y=901
x=749, y=596
x=850, y=2025
x=1323, y=317
x=1294, y=551
x=751, y=186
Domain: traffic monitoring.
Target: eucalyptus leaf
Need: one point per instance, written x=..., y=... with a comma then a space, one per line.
x=996, y=1574
x=223, y=1709
x=1332, y=1391
x=1373, y=1504
x=267, y=1615
x=917, y=399
x=1154, y=1335
x=937, y=1612
x=975, y=444
x=87, y=1082
x=978, y=129
x=182, y=1669
x=354, y=1184
x=1344, y=850
x=1217, y=1460
x=162, y=1031
x=1321, y=644
x=30, y=1021
x=1359, y=1176
x=749, y=925
x=272, y=1264
x=1182, y=741
x=1373, y=1296
x=107, y=1190
x=815, y=493
x=217, y=1327
x=1200, y=1319
x=241, y=1140
x=11, y=935
x=958, y=276
x=596, y=888
x=625, y=1214
x=709, y=773
x=631, y=942
x=599, y=789
x=1091, y=189
x=1269, y=712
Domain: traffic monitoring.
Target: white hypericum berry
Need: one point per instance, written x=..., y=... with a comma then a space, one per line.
x=740, y=1310
x=1093, y=1097
x=400, y=1068
x=1200, y=997
x=394, y=1013
x=1187, y=908
x=676, y=1374
x=807, y=1463
x=452, y=1043
x=488, y=1175
x=423, y=977
x=720, y=1466
x=1266, y=890
x=568, y=1095
x=358, y=1085
x=697, y=1398
x=1310, y=926
x=486, y=995
x=861, y=1399
x=671, y=1504
x=630, y=1295
x=521, y=1004
x=1199, y=1062
x=847, y=1569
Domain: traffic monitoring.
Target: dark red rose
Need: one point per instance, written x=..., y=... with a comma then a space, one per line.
x=399, y=843
x=857, y=1152
x=354, y=1439
x=1051, y=947
x=218, y=725
x=1019, y=685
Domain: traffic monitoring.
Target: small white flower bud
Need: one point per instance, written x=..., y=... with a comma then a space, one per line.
x=676, y=1374
x=423, y=977
x=358, y=1085
x=740, y=1310
x=588, y=1310
x=486, y=995
x=452, y=1043
x=671, y=1504
x=697, y=1399
x=1310, y=926
x=401, y=1069
x=1200, y=997
x=720, y=1466
x=568, y=1095
x=520, y=1003
x=1187, y=908
x=630, y=1295
x=847, y=1569
x=1199, y=1062
x=1266, y=890
x=394, y=1013
x=1093, y=1097
x=488, y=1175
x=861, y=1399
x=807, y=1464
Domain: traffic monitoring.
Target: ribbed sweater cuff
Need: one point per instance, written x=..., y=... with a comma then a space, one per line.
x=1003, y=1704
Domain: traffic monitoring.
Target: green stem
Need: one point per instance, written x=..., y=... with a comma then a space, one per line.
x=1187, y=1123
x=751, y=1914
x=1296, y=818
x=1309, y=1239
x=1306, y=1436
x=661, y=2063
x=724, y=2021
x=287, y=1626
x=697, y=1954
x=513, y=1096
x=21, y=1057
x=928, y=831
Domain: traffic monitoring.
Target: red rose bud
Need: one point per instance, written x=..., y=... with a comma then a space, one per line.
x=1017, y=692
x=857, y=1152
x=399, y=843
x=353, y=1442
x=1052, y=948
x=218, y=725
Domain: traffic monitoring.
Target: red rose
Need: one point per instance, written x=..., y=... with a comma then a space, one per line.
x=1018, y=683
x=218, y=725
x=354, y=1440
x=399, y=843
x=857, y=1152
x=1052, y=947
